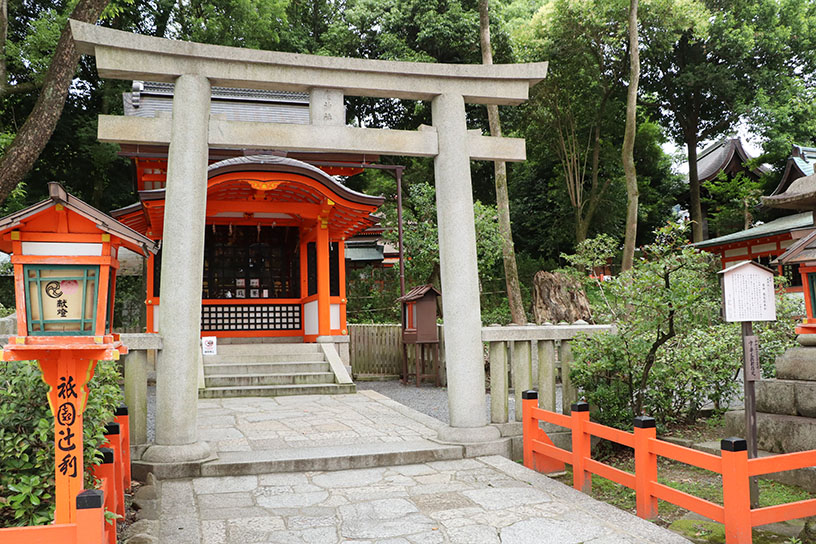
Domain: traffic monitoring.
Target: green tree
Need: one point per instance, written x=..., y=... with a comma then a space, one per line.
x=422, y=242
x=31, y=138
x=723, y=67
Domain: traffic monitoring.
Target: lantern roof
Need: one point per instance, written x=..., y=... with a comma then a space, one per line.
x=57, y=195
x=418, y=292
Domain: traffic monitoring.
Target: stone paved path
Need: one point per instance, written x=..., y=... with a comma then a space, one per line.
x=486, y=500
x=279, y=423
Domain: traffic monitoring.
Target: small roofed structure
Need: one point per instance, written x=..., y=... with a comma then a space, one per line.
x=419, y=328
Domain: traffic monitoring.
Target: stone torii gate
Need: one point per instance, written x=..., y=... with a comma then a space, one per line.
x=191, y=130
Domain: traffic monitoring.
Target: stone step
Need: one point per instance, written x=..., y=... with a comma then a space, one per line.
x=339, y=457
x=276, y=390
x=251, y=380
x=265, y=368
x=264, y=358
x=775, y=433
x=267, y=349
x=786, y=397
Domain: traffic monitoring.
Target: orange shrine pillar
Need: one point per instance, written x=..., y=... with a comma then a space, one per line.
x=323, y=301
x=67, y=374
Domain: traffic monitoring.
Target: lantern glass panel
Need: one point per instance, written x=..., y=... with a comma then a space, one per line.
x=61, y=299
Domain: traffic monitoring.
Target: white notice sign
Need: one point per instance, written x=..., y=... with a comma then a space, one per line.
x=209, y=345
x=748, y=293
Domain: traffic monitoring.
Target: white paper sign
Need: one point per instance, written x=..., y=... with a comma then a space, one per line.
x=748, y=293
x=209, y=345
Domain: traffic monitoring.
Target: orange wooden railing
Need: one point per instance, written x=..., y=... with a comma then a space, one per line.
x=733, y=465
x=90, y=527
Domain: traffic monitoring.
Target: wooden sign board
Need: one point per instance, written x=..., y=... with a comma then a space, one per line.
x=750, y=349
x=748, y=292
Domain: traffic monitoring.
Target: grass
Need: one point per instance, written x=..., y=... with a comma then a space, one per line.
x=692, y=480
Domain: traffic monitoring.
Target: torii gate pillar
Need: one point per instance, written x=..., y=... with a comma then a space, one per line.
x=460, y=276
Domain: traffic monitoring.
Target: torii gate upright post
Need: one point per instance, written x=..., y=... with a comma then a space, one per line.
x=194, y=68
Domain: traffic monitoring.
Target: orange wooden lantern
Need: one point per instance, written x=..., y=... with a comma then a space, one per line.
x=64, y=255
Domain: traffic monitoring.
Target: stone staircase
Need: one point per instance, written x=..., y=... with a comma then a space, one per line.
x=272, y=370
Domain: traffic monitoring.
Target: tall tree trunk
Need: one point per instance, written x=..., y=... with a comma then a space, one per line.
x=38, y=127
x=3, y=37
x=502, y=201
x=629, y=141
x=696, y=209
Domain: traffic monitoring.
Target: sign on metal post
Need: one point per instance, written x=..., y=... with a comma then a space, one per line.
x=748, y=296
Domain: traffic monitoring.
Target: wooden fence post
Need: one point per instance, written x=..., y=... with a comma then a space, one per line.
x=645, y=467
x=529, y=425
x=736, y=491
x=90, y=520
x=123, y=419
x=114, y=442
x=581, y=447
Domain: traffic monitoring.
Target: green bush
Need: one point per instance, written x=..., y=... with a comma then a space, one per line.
x=27, y=438
x=672, y=353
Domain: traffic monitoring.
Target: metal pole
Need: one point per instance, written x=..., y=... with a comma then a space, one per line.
x=398, y=172
x=750, y=407
x=399, y=232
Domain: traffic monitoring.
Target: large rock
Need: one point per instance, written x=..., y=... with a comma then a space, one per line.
x=797, y=364
x=557, y=298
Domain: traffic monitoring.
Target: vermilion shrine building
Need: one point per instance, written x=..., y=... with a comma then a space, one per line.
x=276, y=226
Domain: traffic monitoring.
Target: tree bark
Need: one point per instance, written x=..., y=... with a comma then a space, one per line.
x=696, y=209
x=628, y=156
x=517, y=312
x=3, y=38
x=38, y=127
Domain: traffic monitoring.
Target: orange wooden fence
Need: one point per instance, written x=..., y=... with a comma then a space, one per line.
x=733, y=465
x=90, y=505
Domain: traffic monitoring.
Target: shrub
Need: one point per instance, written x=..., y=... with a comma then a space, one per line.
x=27, y=438
x=672, y=353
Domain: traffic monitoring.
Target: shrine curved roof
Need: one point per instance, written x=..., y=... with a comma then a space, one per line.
x=289, y=190
x=275, y=163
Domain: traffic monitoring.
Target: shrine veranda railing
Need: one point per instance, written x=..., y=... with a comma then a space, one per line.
x=733, y=465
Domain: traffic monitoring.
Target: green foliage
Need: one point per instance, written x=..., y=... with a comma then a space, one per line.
x=730, y=201
x=372, y=295
x=422, y=241
x=671, y=353
x=27, y=438
x=129, y=304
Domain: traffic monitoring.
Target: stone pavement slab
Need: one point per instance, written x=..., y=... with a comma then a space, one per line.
x=287, y=424
x=486, y=500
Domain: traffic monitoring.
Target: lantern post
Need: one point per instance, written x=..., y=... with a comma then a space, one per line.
x=64, y=254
